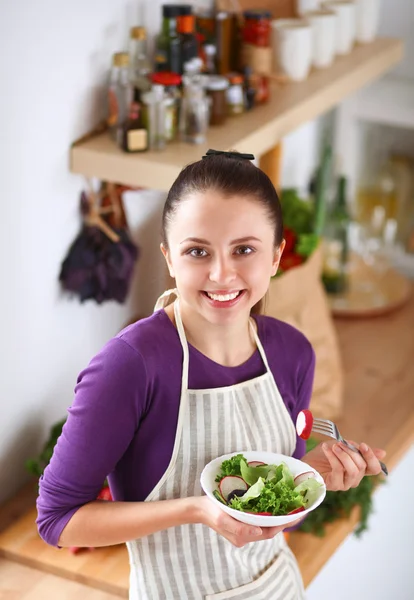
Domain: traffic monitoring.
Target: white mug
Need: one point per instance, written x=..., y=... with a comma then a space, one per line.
x=324, y=26
x=305, y=6
x=367, y=20
x=346, y=24
x=292, y=46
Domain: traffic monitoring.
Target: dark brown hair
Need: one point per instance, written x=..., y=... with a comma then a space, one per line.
x=231, y=176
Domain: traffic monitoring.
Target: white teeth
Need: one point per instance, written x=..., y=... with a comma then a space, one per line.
x=224, y=298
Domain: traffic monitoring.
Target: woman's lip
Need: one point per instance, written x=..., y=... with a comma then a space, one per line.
x=223, y=303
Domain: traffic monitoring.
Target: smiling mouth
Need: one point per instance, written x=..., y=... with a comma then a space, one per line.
x=223, y=297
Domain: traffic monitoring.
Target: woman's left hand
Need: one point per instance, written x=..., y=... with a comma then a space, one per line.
x=342, y=468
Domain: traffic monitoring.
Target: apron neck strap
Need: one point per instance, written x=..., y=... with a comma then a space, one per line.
x=184, y=344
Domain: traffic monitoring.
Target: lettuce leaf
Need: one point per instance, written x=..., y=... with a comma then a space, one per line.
x=252, y=474
x=230, y=467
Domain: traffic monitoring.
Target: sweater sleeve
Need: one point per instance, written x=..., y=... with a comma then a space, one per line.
x=109, y=402
x=304, y=395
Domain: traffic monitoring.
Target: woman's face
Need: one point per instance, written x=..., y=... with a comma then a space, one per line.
x=221, y=253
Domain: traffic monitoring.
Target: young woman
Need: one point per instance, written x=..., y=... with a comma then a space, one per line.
x=205, y=376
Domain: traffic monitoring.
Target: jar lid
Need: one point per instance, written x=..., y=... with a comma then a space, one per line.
x=138, y=33
x=215, y=83
x=166, y=78
x=170, y=11
x=120, y=59
x=235, y=78
x=257, y=13
x=185, y=24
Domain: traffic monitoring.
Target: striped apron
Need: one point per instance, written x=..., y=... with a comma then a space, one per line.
x=193, y=562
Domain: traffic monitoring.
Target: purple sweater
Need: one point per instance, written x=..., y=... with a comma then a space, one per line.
x=123, y=419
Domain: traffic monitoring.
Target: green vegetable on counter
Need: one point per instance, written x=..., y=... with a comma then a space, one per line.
x=337, y=505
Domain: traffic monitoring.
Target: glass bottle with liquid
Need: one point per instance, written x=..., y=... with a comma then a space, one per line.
x=134, y=133
x=168, y=43
x=140, y=65
x=335, y=242
x=119, y=95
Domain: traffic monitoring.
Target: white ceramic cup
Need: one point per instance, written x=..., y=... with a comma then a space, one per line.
x=324, y=26
x=292, y=47
x=367, y=20
x=305, y=6
x=346, y=24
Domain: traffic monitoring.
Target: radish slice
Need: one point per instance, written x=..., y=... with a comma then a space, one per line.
x=304, y=424
x=297, y=510
x=256, y=463
x=303, y=477
x=230, y=484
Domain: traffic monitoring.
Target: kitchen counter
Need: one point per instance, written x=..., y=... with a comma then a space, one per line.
x=379, y=389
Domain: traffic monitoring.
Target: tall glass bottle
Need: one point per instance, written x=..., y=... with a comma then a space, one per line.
x=168, y=44
x=335, y=242
x=140, y=66
x=119, y=95
x=189, y=45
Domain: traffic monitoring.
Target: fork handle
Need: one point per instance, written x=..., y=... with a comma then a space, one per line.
x=384, y=469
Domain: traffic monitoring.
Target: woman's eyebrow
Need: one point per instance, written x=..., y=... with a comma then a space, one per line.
x=242, y=240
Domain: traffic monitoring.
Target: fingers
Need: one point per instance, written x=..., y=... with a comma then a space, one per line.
x=371, y=458
x=335, y=480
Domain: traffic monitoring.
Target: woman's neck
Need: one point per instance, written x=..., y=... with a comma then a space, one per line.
x=228, y=345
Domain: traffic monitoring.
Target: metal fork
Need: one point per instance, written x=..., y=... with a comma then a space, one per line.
x=328, y=428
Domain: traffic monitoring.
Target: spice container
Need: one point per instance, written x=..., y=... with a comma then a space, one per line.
x=194, y=113
x=171, y=83
x=119, y=95
x=235, y=95
x=256, y=41
x=216, y=89
x=154, y=117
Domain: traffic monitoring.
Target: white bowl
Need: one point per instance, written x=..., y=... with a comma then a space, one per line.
x=296, y=466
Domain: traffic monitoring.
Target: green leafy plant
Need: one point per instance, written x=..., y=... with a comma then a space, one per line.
x=337, y=505
x=298, y=222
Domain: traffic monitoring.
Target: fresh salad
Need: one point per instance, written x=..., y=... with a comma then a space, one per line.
x=262, y=489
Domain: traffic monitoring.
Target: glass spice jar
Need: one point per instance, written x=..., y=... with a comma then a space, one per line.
x=171, y=82
x=216, y=89
x=256, y=41
x=257, y=27
x=234, y=94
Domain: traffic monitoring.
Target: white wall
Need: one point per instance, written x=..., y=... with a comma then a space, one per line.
x=379, y=564
x=397, y=20
x=53, y=64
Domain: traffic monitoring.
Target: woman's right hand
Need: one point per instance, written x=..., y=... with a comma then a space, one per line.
x=239, y=534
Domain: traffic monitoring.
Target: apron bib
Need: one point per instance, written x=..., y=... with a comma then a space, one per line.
x=193, y=562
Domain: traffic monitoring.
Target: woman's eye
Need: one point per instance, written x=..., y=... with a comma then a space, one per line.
x=197, y=252
x=244, y=250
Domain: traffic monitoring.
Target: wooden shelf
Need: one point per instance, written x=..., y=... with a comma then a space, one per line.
x=379, y=387
x=291, y=105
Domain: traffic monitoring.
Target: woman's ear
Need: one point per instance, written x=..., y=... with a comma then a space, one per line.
x=277, y=256
x=166, y=254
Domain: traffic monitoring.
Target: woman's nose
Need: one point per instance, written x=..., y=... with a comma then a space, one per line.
x=222, y=271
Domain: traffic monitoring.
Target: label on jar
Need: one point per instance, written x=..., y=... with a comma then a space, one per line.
x=259, y=59
x=137, y=139
x=234, y=95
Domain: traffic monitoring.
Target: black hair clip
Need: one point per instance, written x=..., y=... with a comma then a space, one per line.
x=228, y=154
